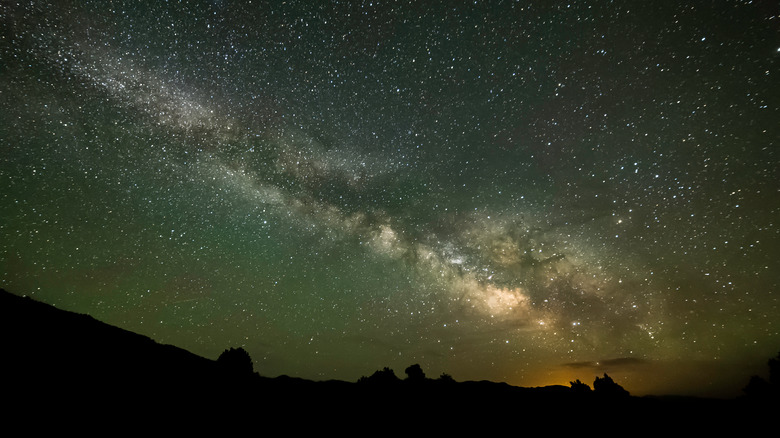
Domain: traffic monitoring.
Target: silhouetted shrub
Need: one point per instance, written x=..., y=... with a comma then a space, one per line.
x=381, y=377
x=236, y=361
x=580, y=387
x=606, y=387
x=414, y=373
x=445, y=378
x=760, y=389
x=774, y=371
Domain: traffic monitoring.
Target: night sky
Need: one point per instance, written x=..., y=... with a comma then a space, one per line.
x=530, y=192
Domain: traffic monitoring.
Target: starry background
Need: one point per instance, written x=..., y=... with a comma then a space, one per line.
x=529, y=192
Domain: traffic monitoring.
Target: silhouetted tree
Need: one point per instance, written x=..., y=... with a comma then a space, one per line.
x=606, y=387
x=236, y=361
x=580, y=387
x=414, y=373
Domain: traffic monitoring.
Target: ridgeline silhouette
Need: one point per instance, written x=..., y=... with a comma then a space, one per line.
x=59, y=361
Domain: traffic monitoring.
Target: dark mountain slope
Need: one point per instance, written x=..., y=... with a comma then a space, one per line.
x=60, y=356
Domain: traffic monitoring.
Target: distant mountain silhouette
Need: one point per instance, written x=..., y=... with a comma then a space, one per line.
x=55, y=361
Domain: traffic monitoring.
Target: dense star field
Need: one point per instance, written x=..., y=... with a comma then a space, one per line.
x=530, y=192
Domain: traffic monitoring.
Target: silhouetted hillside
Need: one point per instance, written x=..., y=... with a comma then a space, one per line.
x=59, y=361
x=59, y=353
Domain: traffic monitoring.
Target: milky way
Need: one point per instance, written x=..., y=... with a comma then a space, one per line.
x=525, y=192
